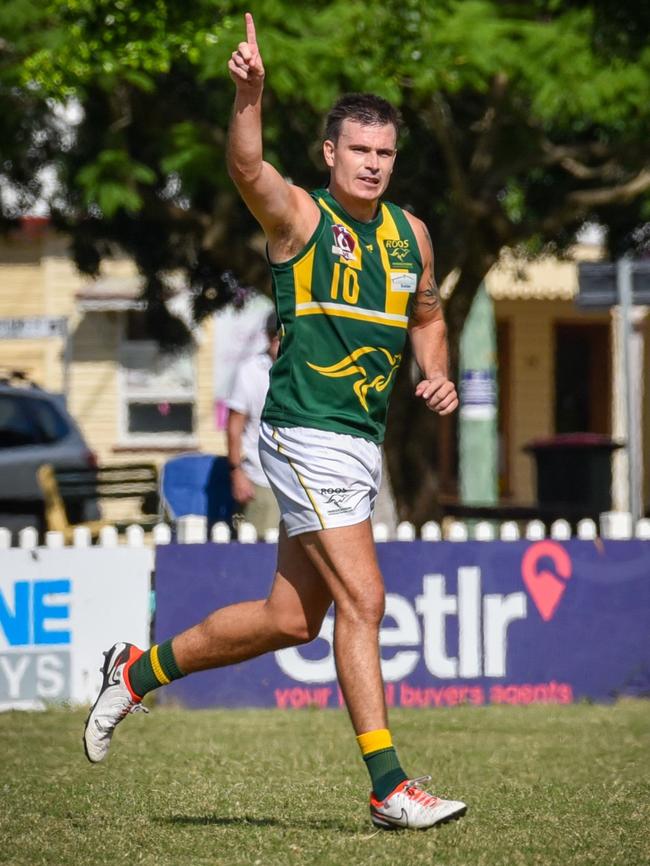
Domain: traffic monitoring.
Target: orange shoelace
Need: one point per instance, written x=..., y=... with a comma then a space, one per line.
x=415, y=792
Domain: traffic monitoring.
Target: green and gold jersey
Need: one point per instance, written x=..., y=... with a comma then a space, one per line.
x=343, y=306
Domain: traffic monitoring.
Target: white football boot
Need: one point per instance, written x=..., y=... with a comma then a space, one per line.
x=410, y=807
x=114, y=701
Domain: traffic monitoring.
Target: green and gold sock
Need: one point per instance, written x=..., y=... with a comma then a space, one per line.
x=382, y=762
x=156, y=667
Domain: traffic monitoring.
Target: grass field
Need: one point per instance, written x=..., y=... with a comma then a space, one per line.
x=545, y=785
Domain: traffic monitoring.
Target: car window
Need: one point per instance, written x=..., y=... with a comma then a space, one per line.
x=29, y=421
x=51, y=424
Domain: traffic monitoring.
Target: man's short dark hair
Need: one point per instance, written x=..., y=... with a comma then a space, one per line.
x=365, y=108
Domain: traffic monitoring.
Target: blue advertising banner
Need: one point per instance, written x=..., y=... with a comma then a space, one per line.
x=472, y=623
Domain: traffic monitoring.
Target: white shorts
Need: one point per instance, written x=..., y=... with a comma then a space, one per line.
x=320, y=479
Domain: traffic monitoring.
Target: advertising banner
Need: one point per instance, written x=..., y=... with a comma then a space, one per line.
x=59, y=609
x=466, y=623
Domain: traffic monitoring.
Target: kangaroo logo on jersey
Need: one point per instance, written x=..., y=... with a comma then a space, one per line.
x=344, y=243
x=348, y=366
x=398, y=250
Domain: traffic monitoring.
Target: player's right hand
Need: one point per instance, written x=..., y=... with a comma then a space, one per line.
x=242, y=487
x=245, y=65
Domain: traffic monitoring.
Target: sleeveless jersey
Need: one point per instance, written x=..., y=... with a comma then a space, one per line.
x=343, y=305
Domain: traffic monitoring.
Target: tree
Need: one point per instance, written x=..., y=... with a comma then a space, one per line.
x=523, y=120
x=30, y=132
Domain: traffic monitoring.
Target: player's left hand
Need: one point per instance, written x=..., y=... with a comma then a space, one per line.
x=439, y=394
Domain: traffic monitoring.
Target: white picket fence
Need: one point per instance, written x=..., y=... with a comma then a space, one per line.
x=615, y=525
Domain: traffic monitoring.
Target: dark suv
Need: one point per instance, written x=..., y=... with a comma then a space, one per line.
x=35, y=428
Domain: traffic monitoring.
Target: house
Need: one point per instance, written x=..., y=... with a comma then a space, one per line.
x=559, y=365
x=131, y=401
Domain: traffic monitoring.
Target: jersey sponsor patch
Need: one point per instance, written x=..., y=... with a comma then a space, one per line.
x=399, y=253
x=400, y=282
x=344, y=243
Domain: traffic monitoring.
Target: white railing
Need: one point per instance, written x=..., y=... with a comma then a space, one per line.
x=193, y=529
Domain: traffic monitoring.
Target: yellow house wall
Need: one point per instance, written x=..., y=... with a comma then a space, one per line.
x=22, y=294
x=37, y=277
x=531, y=378
x=93, y=397
x=95, y=391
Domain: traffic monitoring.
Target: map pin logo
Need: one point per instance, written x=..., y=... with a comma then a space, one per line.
x=544, y=587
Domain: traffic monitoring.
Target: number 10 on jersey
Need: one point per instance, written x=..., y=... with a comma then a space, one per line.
x=347, y=282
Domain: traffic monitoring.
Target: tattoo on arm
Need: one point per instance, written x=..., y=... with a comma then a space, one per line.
x=426, y=299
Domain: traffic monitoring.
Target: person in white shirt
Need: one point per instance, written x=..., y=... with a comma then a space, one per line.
x=250, y=487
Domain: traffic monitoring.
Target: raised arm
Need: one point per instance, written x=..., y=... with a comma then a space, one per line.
x=286, y=212
x=428, y=332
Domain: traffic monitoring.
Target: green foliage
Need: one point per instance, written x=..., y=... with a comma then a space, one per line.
x=111, y=182
x=513, y=197
x=104, y=41
x=28, y=134
x=505, y=83
x=523, y=119
x=192, y=154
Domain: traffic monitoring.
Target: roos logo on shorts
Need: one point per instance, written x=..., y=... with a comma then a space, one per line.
x=337, y=499
x=344, y=243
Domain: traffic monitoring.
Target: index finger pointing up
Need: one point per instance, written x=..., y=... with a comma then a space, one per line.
x=251, y=38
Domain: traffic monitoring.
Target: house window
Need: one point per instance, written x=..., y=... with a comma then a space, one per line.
x=157, y=389
x=160, y=417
